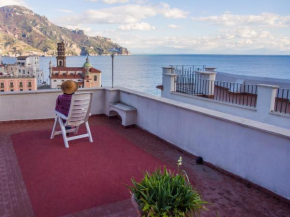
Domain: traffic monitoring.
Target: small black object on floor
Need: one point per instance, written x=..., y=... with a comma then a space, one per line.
x=199, y=160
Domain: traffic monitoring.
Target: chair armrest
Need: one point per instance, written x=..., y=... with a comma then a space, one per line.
x=62, y=116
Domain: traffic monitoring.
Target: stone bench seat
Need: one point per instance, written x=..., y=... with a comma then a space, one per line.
x=127, y=113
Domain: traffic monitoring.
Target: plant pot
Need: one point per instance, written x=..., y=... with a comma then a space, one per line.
x=136, y=206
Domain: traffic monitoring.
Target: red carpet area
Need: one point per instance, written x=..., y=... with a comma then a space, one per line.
x=62, y=181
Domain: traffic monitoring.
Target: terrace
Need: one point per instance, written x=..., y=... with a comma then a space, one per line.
x=245, y=173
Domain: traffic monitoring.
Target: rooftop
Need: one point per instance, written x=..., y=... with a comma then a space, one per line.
x=25, y=193
x=246, y=170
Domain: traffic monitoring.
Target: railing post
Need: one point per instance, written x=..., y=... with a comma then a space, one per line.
x=266, y=95
x=168, y=81
x=207, y=79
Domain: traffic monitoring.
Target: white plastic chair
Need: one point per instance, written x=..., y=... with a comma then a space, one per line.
x=79, y=113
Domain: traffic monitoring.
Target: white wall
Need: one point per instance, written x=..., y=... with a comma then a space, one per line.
x=252, y=150
x=40, y=104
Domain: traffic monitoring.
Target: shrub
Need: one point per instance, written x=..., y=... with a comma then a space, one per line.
x=165, y=193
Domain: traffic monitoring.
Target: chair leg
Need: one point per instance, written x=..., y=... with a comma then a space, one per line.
x=63, y=132
x=89, y=131
x=53, y=129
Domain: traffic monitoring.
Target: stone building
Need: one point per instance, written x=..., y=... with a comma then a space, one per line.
x=85, y=76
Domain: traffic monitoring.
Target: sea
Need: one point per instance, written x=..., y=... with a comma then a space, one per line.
x=144, y=72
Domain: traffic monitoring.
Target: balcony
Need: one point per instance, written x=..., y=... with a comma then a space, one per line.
x=246, y=172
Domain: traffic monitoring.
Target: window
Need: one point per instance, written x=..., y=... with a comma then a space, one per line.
x=54, y=80
x=19, y=70
x=11, y=84
x=29, y=83
x=2, y=85
x=2, y=91
x=95, y=78
x=21, y=89
x=23, y=71
x=12, y=90
x=29, y=89
x=20, y=84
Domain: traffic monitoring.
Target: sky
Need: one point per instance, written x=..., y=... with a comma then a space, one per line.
x=176, y=26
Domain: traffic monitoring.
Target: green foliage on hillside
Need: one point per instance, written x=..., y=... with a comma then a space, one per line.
x=23, y=32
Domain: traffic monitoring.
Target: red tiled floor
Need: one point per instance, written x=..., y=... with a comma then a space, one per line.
x=62, y=181
x=227, y=196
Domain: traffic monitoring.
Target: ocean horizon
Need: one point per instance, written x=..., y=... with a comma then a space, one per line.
x=143, y=72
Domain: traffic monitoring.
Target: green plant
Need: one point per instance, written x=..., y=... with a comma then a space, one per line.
x=164, y=193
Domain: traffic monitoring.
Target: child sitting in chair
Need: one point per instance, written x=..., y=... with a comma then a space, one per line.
x=63, y=101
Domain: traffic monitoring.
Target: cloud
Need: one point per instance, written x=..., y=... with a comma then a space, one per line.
x=136, y=26
x=64, y=10
x=110, y=1
x=130, y=13
x=115, y=1
x=168, y=12
x=172, y=26
x=227, y=42
x=114, y=15
x=13, y=2
x=264, y=19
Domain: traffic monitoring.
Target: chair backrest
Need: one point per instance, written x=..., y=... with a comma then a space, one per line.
x=80, y=108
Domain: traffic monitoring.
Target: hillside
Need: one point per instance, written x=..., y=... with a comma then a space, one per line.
x=23, y=32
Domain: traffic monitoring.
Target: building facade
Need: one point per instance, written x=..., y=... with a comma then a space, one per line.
x=85, y=76
x=20, y=76
x=23, y=83
x=26, y=66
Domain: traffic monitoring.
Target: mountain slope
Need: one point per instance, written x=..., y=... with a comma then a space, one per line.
x=24, y=32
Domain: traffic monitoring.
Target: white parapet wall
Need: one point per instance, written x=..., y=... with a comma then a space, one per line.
x=253, y=150
x=34, y=105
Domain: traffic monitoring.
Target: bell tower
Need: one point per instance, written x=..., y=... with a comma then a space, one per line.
x=61, y=58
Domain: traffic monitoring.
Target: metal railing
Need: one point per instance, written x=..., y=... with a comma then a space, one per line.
x=187, y=70
x=282, y=101
x=234, y=93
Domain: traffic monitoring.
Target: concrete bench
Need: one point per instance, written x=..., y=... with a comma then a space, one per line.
x=127, y=113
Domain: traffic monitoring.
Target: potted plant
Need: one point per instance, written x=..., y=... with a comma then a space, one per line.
x=165, y=193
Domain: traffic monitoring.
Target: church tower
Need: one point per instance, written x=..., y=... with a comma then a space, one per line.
x=61, y=58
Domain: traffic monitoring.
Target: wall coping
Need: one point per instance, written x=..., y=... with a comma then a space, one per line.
x=43, y=91
x=279, y=114
x=268, y=85
x=279, y=131
x=168, y=74
x=206, y=72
